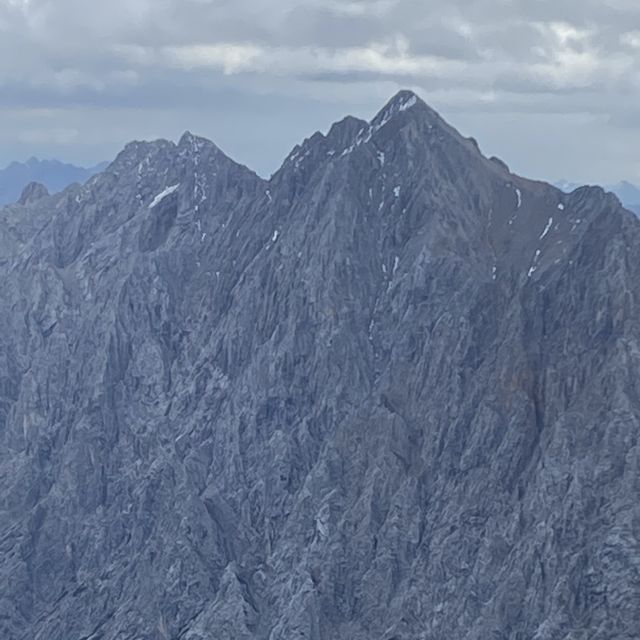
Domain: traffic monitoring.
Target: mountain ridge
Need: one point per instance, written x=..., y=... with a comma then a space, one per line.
x=626, y=192
x=389, y=393
x=53, y=174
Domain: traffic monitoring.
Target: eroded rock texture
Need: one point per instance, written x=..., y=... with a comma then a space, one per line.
x=390, y=394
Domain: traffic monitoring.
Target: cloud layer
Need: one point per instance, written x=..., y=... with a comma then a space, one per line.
x=552, y=86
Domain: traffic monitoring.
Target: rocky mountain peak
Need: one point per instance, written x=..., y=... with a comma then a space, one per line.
x=343, y=133
x=198, y=145
x=33, y=192
x=390, y=393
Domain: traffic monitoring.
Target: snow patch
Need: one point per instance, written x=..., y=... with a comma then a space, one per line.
x=275, y=235
x=534, y=266
x=162, y=195
x=546, y=229
x=396, y=192
x=519, y=196
x=381, y=158
x=385, y=118
x=561, y=207
x=348, y=150
x=408, y=103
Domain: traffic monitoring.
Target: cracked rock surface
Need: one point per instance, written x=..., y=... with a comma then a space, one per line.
x=391, y=393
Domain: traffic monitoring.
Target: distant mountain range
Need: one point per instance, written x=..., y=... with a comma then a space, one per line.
x=53, y=174
x=628, y=194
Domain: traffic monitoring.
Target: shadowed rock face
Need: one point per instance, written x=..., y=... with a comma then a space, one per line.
x=389, y=394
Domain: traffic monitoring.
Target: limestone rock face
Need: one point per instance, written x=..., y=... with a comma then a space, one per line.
x=391, y=393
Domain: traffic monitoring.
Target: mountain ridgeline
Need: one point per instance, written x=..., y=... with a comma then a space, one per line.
x=391, y=393
x=51, y=174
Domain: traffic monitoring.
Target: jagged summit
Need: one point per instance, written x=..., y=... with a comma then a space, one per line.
x=400, y=102
x=343, y=132
x=404, y=110
x=33, y=192
x=389, y=394
x=196, y=144
x=341, y=139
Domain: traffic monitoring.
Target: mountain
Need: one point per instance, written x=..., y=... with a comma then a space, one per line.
x=629, y=194
x=390, y=393
x=52, y=174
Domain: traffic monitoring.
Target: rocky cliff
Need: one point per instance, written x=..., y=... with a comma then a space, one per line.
x=390, y=394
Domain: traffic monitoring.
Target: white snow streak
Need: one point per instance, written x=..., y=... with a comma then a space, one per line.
x=408, y=104
x=546, y=229
x=534, y=266
x=161, y=196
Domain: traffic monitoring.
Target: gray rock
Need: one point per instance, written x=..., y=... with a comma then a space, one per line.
x=33, y=192
x=389, y=394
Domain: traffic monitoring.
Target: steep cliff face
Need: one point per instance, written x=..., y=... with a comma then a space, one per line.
x=391, y=393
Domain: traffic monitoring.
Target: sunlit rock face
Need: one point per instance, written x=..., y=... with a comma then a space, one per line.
x=391, y=393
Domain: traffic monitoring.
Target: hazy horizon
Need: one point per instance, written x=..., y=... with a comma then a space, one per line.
x=549, y=89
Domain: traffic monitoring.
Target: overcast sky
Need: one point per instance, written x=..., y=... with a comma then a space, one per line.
x=551, y=86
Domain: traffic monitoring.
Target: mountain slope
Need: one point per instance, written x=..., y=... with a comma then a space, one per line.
x=389, y=393
x=52, y=174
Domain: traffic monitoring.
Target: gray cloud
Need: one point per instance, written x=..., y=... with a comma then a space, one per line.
x=79, y=79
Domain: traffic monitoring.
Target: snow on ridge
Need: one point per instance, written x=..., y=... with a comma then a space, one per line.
x=162, y=195
x=408, y=103
x=365, y=134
